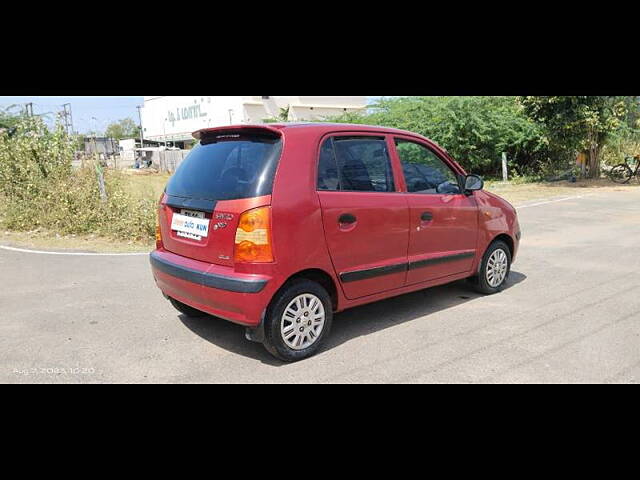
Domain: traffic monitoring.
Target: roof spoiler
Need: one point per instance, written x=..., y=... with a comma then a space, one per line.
x=238, y=129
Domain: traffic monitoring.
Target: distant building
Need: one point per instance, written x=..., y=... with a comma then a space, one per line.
x=127, y=144
x=174, y=119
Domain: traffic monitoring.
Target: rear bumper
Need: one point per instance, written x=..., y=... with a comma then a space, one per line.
x=238, y=284
x=218, y=290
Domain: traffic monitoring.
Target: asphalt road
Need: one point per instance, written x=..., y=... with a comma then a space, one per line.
x=571, y=313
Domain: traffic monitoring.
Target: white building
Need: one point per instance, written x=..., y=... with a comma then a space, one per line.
x=174, y=119
x=126, y=145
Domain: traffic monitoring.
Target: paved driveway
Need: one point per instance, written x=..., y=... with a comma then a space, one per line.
x=571, y=313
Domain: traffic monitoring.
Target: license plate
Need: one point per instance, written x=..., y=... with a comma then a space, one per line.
x=198, y=227
x=192, y=213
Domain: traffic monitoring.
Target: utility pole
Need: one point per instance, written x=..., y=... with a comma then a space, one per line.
x=505, y=175
x=164, y=132
x=95, y=135
x=141, y=131
x=67, y=120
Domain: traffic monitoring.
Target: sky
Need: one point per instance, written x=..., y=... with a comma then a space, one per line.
x=88, y=113
x=104, y=109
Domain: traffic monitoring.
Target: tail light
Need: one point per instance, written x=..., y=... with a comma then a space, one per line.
x=158, y=231
x=158, y=237
x=253, y=236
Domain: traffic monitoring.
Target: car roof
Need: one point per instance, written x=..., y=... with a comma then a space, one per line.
x=317, y=128
x=320, y=128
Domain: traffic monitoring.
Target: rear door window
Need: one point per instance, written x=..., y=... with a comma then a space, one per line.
x=356, y=164
x=228, y=167
x=328, y=168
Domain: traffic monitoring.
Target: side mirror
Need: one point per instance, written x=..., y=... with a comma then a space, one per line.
x=473, y=183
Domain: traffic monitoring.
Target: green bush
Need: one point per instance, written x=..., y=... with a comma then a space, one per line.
x=41, y=189
x=623, y=143
x=475, y=130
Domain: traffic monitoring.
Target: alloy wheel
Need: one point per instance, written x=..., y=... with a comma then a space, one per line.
x=302, y=321
x=497, y=268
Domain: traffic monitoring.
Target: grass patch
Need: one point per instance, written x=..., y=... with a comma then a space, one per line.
x=144, y=184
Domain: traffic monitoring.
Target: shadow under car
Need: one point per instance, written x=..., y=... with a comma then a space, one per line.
x=351, y=323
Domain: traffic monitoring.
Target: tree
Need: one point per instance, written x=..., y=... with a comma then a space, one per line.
x=9, y=120
x=625, y=141
x=125, y=128
x=580, y=123
x=474, y=129
x=284, y=114
x=79, y=141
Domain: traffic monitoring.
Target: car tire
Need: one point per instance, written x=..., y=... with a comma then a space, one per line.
x=186, y=309
x=298, y=320
x=494, y=269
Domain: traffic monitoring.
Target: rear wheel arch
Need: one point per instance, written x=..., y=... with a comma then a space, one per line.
x=308, y=286
x=319, y=276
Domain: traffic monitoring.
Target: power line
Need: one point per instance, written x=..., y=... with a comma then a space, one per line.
x=141, y=129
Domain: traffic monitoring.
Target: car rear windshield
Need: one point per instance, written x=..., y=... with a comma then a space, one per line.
x=228, y=166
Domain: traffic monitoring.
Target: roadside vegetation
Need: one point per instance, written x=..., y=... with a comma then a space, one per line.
x=541, y=136
x=40, y=191
x=44, y=201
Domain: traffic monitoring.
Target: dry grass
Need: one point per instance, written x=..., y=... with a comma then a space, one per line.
x=140, y=185
x=145, y=182
x=522, y=193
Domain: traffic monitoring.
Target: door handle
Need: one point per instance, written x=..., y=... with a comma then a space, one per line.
x=347, y=218
x=426, y=216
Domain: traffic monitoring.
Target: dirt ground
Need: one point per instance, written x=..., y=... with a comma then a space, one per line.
x=518, y=194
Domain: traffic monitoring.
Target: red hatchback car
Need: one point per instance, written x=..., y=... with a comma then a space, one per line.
x=278, y=226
